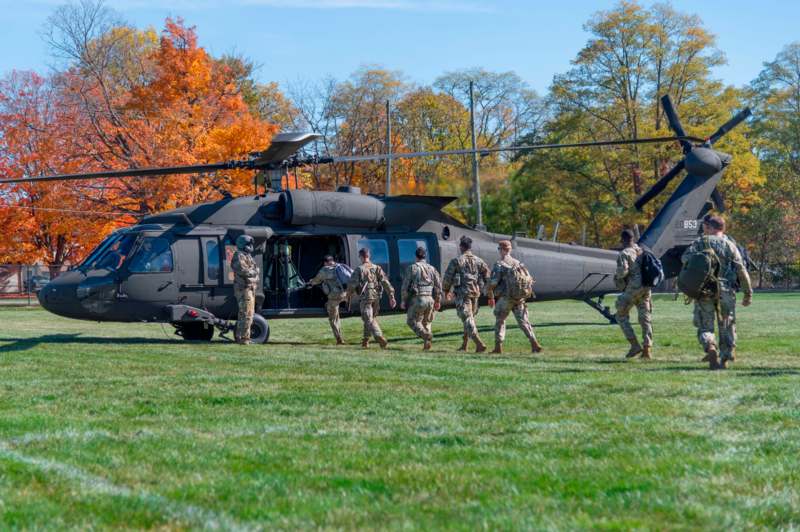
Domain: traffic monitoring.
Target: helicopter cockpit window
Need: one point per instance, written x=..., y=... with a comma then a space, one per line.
x=212, y=259
x=378, y=251
x=407, y=249
x=154, y=255
x=114, y=253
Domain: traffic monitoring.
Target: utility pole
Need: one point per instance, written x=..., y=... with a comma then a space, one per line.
x=388, y=149
x=476, y=182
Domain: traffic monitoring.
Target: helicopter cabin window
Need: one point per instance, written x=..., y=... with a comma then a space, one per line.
x=212, y=259
x=378, y=251
x=114, y=253
x=229, y=248
x=407, y=249
x=154, y=255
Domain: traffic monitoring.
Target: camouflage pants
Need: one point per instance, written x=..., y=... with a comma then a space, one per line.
x=705, y=314
x=639, y=298
x=369, y=311
x=246, y=300
x=420, y=315
x=332, y=307
x=467, y=307
x=502, y=308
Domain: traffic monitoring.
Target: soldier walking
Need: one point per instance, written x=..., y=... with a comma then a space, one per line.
x=335, y=292
x=628, y=278
x=722, y=304
x=366, y=283
x=421, y=293
x=465, y=275
x=245, y=281
x=507, y=278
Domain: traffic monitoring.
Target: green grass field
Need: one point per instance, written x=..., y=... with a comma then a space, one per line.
x=126, y=426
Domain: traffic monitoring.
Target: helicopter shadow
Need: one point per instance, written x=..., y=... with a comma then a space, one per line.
x=24, y=344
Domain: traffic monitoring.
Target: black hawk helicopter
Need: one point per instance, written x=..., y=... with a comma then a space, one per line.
x=174, y=267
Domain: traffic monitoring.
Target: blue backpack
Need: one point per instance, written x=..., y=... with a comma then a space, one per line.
x=343, y=273
x=652, y=270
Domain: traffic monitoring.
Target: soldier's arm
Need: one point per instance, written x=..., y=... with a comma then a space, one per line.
x=385, y=282
x=317, y=279
x=741, y=272
x=437, y=286
x=483, y=270
x=494, y=280
x=449, y=273
x=406, y=282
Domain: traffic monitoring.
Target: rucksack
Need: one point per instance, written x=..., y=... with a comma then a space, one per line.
x=699, y=276
x=519, y=283
x=652, y=270
x=343, y=273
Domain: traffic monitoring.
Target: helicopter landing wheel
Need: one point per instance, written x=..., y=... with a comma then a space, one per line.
x=195, y=331
x=259, y=330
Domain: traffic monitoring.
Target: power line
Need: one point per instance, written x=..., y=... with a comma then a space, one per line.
x=70, y=211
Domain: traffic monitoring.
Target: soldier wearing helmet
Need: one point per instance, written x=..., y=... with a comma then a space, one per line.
x=245, y=281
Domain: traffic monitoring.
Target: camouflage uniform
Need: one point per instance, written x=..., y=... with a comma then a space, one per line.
x=732, y=273
x=336, y=294
x=629, y=279
x=366, y=283
x=465, y=274
x=505, y=305
x=422, y=288
x=244, y=288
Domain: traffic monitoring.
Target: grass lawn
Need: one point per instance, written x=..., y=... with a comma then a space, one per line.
x=127, y=426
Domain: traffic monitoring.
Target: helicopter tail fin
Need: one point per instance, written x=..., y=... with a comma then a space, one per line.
x=677, y=223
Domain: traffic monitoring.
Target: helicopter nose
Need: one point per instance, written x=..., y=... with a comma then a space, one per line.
x=59, y=295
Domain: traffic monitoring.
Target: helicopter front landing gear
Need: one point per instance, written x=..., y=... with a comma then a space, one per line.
x=196, y=324
x=259, y=330
x=602, y=309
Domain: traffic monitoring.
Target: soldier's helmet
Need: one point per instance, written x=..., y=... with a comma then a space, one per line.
x=245, y=243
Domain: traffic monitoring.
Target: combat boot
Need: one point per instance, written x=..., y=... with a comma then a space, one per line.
x=426, y=346
x=365, y=343
x=464, y=343
x=647, y=352
x=713, y=357
x=635, y=348
x=339, y=341
x=724, y=363
x=498, y=348
x=733, y=354
x=536, y=347
x=480, y=347
x=382, y=342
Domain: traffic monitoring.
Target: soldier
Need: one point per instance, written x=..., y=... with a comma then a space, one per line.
x=366, y=283
x=336, y=293
x=465, y=275
x=500, y=284
x=722, y=305
x=629, y=280
x=421, y=293
x=244, y=286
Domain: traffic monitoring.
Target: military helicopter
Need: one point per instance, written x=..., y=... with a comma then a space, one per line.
x=174, y=267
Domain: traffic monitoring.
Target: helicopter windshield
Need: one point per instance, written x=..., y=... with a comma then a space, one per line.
x=111, y=253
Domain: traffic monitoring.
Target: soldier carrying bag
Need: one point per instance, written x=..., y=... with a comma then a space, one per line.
x=699, y=277
x=519, y=282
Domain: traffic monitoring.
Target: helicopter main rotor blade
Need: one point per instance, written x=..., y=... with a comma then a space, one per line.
x=674, y=121
x=730, y=124
x=487, y=151
x=659, y=186
x=133, y=172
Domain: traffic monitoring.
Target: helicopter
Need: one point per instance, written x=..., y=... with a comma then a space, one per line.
x=174, y=266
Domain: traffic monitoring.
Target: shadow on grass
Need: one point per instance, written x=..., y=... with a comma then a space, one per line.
x=23, y=344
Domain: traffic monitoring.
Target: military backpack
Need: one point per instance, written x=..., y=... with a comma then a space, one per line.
x=652, y=270
x=699, y=277
x=519, y=282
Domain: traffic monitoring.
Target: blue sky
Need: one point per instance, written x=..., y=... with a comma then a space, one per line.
x=308, y=39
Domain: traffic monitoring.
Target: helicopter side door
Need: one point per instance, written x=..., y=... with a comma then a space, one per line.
x=149, y=278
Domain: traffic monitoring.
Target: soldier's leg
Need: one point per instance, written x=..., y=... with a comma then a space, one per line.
x=427, y=318
x=501, y=311
x=413, y=318
x=375, y=327
x=520, y=310
x=332, y=306
x=467, y=317
x=727, y=325
x=247, y=305
x=644, y=308
x=624, y=304
x=705, y=315
x=366, y=318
